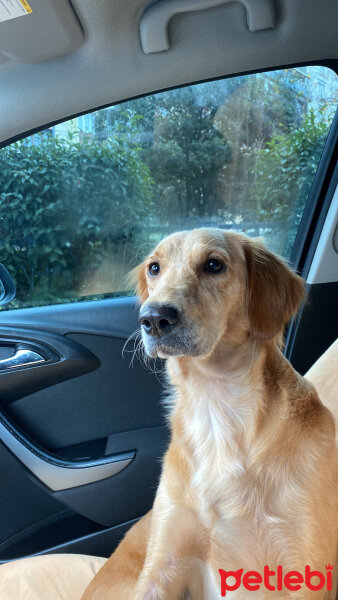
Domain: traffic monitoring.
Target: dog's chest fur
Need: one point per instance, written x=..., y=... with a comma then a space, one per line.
x=226, y=489
x=218, y=427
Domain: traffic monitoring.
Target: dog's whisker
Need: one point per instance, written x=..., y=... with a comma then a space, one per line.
x=131, y=337
x=135, y=336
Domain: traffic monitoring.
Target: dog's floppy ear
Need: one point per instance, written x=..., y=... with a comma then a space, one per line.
x=137, y=278
x=274, y=290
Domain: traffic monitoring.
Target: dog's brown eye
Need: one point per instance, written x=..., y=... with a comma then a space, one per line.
x=213, y=265
x=154, y=269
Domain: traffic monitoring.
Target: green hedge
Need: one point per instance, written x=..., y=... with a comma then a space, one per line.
x=63, y=201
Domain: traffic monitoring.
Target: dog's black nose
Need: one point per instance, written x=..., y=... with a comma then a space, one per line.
x=158, y=319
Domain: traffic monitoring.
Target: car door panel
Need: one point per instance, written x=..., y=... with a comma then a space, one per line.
x=24, y=502
x=116, y=317
x=128, y=494
x=99, y=412
x=109, y=398
x=60, y=473
x=316, y=327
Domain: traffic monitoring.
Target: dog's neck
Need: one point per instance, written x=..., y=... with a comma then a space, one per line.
x=231, y=390
x=234, y=368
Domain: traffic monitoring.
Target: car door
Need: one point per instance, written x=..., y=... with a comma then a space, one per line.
x=82, y=427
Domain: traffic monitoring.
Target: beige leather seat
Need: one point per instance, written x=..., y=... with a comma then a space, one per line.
x=66, y=576
x=50, y=577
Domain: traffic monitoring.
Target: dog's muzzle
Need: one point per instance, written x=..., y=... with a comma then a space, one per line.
x=165, y=332
x=158, y=319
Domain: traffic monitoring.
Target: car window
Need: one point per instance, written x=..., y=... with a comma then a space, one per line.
x=81, y=202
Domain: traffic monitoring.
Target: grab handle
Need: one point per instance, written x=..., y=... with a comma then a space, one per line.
x=154, y=22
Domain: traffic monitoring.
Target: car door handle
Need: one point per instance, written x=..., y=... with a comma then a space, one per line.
x=21, y=358
x=41, y=359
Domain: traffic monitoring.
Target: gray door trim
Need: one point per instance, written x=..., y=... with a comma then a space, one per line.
x=324, y=266
x=55, y=473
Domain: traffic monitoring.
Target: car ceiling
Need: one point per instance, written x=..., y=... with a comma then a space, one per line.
x=110, y=64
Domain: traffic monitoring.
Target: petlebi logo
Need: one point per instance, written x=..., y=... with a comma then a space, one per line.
x=276, y=580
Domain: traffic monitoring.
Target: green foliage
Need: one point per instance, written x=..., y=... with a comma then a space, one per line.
x=181, y=144
x=259, y=107
x=59, y=202
x=76, y=210
x=284, y=171
x=190, y=152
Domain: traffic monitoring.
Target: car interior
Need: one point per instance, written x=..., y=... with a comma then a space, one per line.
x=121, y=122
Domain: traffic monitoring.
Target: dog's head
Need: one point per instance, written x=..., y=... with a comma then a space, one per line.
x=203, y=287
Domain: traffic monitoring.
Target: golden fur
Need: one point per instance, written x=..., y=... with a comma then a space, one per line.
x=250, y=477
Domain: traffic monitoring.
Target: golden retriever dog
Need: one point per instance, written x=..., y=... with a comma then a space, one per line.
x=248, y=494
